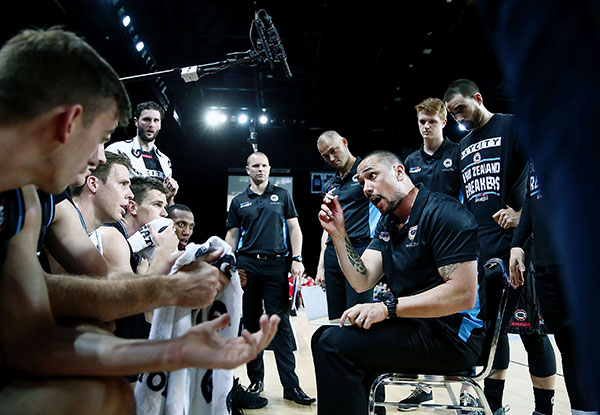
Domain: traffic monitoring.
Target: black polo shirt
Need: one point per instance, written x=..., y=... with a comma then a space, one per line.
x=360, y=216
x=262, y=220
x=493, y=172
x=440, y=231
x=438, y=171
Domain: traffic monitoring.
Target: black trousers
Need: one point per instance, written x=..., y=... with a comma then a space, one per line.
x=340, y=295
x=558, y=319
x=348, y=359
x=268, y=284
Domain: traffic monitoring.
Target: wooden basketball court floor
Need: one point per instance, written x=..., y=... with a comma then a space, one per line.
x=518, y=393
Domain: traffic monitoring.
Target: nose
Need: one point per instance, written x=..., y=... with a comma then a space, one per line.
x=101, y=154
x=163, y=212
x=129, y=195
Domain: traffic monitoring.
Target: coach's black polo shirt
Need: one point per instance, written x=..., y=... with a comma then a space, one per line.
x=360, y=216
x=262, y=220
x=438, y=171
x=440, y=231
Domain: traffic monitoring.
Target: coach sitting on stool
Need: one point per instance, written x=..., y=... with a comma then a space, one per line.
x=426, y=245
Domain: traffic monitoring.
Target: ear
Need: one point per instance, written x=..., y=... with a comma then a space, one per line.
x=399, y=170
x=135, y=121
x=477, y=97
x=345, y=142
x=92, y=183
x=132, y=207
x=444, y=122
x=247, y=170
x=68, y=118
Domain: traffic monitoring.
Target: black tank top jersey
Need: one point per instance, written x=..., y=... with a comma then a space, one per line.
x=492, y=166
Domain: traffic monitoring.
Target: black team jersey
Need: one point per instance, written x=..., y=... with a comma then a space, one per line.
x=492, y=166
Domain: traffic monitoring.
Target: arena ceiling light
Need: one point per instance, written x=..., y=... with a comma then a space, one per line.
x=215, y=118
x=242, y=118
x=263, y=119
x=126, y=20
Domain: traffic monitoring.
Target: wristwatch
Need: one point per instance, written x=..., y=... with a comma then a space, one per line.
x=391, y=304
x=297, y=258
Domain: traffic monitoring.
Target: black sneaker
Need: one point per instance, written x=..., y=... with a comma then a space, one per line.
x=243, y=399
x=417, y=396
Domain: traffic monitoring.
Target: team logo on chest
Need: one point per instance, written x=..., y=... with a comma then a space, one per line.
x=415, y=169
x=384, y=236
x=448, y=163
x=477, y=157
x=245, y=204
x=274, y=198
x=355, y=178
x=412, y=233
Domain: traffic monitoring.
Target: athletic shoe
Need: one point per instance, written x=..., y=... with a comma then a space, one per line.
x=241, y=398
x=416, y=397
x=468, y=400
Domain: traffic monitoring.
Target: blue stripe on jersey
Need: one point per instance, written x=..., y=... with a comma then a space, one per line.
x=51, y=212
x=470, y=320
x=21, y=203
x=242, y=233
x=374, y=215
x=284, y=228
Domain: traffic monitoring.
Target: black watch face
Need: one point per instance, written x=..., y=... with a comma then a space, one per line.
x=298, y=258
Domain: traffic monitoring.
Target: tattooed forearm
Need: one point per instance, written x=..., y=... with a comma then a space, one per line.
x=447, y=270
x=354, y=258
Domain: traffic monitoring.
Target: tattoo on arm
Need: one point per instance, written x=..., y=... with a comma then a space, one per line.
x=354, y=258
x=447, y=270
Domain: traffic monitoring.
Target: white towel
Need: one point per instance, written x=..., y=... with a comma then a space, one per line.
x=193, y=391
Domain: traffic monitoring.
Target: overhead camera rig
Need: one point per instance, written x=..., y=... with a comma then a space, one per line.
x=266, y=47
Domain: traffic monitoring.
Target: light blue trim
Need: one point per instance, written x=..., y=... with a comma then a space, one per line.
x=470, y=320
x=242, y=233
x=374, y=216
x=284, y=228
x=51, y=211
x=21, y=211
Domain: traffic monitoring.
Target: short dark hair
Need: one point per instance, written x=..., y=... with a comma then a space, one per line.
x=42, y=69
x=149, y=105
x=103, y=170
x=141, y=185
x=464, y=87
x=177, y=206
x=386, y=157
